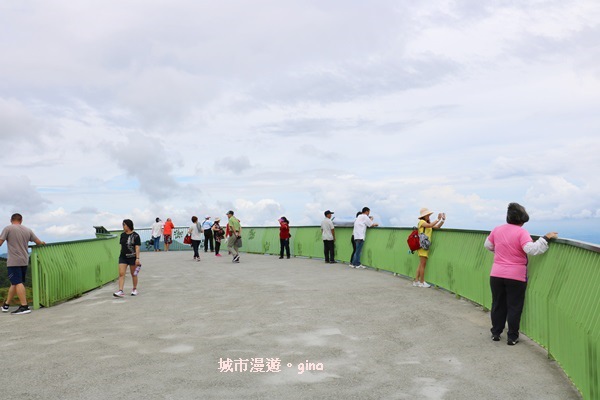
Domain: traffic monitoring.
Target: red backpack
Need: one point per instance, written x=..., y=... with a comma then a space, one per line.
x=413, y=240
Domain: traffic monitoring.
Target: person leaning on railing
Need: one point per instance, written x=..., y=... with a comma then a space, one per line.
x=511, y=244
x=157, y=229
x=426, y=227
x=168, y=233
x=17, y=237
x=362, y=222
x=352, y=242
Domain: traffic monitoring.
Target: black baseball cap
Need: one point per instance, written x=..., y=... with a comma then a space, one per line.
x=328, y=212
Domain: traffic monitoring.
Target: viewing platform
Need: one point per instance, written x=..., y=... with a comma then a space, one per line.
x=364, y=334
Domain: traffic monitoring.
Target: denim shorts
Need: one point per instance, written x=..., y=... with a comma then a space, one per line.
x=16, y=275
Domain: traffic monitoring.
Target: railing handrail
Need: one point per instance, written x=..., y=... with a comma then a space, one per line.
x=572, y=242
x=107, y=236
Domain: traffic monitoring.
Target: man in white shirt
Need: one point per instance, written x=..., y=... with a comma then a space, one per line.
x=363, y=221
x=208, y=235
x=157, y=229
x=328, y=234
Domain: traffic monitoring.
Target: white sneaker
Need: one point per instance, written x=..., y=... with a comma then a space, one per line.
x=134, y=292
x=351, y=266
x=425, y=284
x=119, y=294
x=416, y=283
x=361, y=266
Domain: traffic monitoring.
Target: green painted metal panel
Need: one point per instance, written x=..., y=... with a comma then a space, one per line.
x=305, y=241
x=271, y=244
x=254, y=241
x=62, y=271
x=562, y=311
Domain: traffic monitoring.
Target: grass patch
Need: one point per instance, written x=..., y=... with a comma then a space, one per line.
x=16, y=302
x=5, y=284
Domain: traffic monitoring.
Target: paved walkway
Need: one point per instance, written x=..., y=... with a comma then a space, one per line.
x=374, y=335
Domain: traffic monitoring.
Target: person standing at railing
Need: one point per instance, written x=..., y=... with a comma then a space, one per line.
x=352, y=242
x=362, y=222
x=196, y=233
x=235, y=236
x=129, y=257
x=17, y=238
x=208, y=234
x=426, y=226
x=219, y=234
x=511, y=244
x=328, y=236
x=168, y=233
x=284, y=237
x=157, y=229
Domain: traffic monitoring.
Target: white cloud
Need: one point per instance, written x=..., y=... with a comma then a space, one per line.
x=236, y=165
x=295, y=107
x=146, y=159
x=259, y=213
x=19, y=195
x=68, y=231
x=18, y=124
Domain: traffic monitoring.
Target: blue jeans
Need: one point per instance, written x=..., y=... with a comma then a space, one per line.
x=284, y=245
x=359, y=245
x=157, y=243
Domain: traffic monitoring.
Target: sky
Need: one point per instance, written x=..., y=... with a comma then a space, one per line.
x=136, y=109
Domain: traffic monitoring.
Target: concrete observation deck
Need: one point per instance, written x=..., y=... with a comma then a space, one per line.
x=373, y=335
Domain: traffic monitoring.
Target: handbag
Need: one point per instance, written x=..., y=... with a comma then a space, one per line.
x=187, y=239
x=424, y=240
x=238, y=242
x=151, y=241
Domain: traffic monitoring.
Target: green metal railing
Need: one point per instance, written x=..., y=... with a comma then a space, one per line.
x=562, y=305
x=62, y=271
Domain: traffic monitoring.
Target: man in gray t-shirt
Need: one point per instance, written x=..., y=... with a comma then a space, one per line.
x=17, y=239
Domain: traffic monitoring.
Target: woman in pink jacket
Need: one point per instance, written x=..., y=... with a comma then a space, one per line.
x=511, y=244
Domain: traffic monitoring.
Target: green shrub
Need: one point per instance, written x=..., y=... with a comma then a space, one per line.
x=5, y=283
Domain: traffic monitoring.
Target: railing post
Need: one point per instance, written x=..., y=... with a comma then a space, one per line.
x=35, y=276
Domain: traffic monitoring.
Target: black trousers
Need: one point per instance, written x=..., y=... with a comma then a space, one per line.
x=217, y=246
x=195, y=245
x=353, y=248
x=284, y=244
x=329, y=250
x=208, y=238
x=508, y=297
